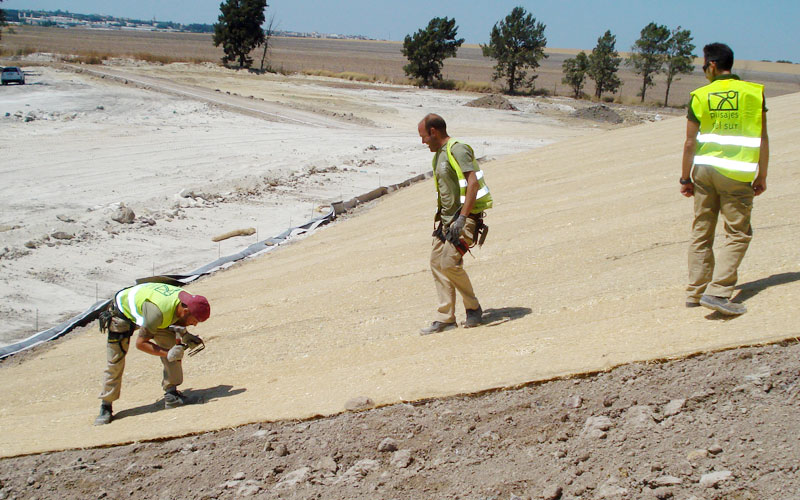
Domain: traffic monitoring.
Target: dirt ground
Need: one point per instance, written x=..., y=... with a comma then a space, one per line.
x=712, y=427
x=196, y=151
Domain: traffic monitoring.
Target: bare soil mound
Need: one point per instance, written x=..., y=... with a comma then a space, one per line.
x=713, y=427
x=493, y=101
x=599, y=113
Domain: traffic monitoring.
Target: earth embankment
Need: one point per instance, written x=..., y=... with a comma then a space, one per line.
x=586, y=257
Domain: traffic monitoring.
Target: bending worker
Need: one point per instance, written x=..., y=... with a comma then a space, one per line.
x=160, y=312
x=727, y=142
x=462, y=196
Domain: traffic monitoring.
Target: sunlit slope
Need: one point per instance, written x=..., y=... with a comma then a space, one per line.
x=586, y=254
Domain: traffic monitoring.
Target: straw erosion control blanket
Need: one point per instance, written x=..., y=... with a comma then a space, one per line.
x=586, y=258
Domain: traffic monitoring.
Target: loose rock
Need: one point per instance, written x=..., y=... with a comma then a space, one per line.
x=401, y=459
x=674, y=407
x=601, y=423
x=712, y=479
x=665, y=481
x=294, y=478
x=124, y=215
x=388, y=444
x=552, y=493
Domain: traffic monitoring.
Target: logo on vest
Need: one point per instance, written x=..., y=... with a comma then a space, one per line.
x=723, y=101
x=166, y=290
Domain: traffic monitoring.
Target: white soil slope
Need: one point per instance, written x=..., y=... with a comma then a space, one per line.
x=586, y=254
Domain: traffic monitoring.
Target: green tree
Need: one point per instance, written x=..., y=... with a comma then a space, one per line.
x=574, y=70
x=239, y=29
x=516, y=43
x=649, y=53
x=428, y=48
x=604, y=64
x=679, y=57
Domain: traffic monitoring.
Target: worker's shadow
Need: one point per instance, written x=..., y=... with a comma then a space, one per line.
x=197, y=396
x=503, y=314
x=749, y=290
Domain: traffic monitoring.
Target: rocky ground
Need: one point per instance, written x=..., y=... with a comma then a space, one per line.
x=712, y=427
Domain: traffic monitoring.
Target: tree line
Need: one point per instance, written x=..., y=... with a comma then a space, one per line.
x=516, y=43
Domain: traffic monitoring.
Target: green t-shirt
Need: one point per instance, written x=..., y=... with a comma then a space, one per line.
x=448, y=180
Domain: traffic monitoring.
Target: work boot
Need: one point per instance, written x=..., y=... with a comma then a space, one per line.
x=436, y=327
x=722, y=305
x=175, y=398
x=474, y=317
x=105, y=414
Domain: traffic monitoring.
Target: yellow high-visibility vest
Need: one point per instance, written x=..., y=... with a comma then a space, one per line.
x=483, y=199
x=729, y=139
x=165, y=297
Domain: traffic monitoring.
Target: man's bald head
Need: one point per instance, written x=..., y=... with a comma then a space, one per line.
x=432, y=120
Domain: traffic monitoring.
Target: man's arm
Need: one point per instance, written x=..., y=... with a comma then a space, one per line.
x=760, y=182
x=689, y=150
x=145, y=344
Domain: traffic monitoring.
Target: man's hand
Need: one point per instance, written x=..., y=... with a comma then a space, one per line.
x=759, y=185
x=176, y=353
x=687, y=190
x=454, y=231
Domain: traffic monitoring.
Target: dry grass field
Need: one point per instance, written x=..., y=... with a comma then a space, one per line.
x=376, y=60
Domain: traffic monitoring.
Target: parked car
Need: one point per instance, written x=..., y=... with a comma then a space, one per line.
x=12, y=74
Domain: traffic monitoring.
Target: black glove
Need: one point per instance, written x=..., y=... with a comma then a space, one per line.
x=454, y=231
x=190, y=340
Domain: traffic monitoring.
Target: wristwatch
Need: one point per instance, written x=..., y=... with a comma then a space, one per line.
x=685, y=181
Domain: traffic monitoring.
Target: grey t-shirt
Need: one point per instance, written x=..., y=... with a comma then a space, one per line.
x=447, y=179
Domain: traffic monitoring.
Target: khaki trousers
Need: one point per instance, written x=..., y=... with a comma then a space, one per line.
x=116, y=350
x=716, y=195
x=449, y=275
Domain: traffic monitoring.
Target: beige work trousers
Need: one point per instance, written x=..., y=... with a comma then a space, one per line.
x=116, y=352
x=447, y=266
x=716, y=195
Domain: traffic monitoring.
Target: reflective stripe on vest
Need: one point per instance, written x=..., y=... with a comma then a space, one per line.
x=483, y=199
x=165, y=297
x=729, y=139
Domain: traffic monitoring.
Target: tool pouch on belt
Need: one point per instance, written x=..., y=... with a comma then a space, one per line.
x=115, y=324
x=481, y=229
x=438, y=232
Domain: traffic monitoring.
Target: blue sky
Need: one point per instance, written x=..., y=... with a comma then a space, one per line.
x=755, y=30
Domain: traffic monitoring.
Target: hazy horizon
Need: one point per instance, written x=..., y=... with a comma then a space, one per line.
x=753, y=32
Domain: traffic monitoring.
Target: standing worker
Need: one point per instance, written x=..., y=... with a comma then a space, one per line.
x=727, y=142
x=160, y=312
x=462, y=198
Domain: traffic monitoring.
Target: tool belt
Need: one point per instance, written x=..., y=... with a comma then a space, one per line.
x=116, y=324
x=481, y=230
